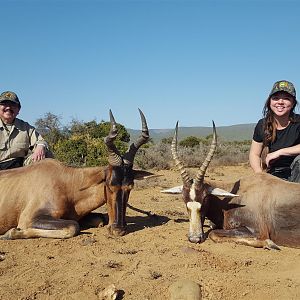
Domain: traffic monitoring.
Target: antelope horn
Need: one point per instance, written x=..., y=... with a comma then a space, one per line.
x=200, y=175
x=114, y=157
x=184, y=175
x=220, y=192
x=143, y=139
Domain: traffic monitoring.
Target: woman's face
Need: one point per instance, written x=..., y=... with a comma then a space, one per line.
x=8, y=111
x=281, y=103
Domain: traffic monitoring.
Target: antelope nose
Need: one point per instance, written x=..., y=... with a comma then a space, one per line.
x=197, y=238
x=194, y=240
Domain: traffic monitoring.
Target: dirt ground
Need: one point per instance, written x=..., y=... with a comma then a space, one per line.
x=145, y=262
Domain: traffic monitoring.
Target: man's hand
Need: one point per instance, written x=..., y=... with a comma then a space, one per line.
x=39, y=153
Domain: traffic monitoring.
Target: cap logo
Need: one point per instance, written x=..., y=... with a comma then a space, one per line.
x=283, y=84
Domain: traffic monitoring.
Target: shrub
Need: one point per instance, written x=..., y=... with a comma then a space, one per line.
x=158, y=156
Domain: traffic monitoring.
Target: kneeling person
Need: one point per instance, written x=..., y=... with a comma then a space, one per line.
x=18, y=138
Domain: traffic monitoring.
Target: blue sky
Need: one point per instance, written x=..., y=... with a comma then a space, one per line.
x=192, y=61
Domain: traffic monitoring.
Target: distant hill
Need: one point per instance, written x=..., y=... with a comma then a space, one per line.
x=238, y=132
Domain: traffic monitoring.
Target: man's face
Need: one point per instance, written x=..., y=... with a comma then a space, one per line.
x=8, y=111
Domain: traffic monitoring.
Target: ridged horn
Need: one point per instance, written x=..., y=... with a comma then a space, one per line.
x=184, y=175
x=200, y=175
x=114, y=157
x=143, y=139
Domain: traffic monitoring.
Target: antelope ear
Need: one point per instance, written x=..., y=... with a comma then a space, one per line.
x=141, y=174
x=173, y=190
x=221, y=193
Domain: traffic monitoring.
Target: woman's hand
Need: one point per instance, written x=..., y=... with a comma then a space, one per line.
x=271, y=157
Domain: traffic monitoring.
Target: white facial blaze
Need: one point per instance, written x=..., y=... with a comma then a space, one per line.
x=194, y=214
x=192, y=192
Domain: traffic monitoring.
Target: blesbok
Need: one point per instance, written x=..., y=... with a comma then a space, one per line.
x=261, y=210
x=49, y=199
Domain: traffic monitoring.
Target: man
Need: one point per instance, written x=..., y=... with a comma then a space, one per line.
x=18, y=138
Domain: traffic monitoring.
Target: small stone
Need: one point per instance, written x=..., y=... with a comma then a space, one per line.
x=88, y=241
x=185, y=290
x=110, y=293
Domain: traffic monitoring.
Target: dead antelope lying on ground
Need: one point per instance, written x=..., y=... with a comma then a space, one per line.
x=49, y=199
x=266, y=212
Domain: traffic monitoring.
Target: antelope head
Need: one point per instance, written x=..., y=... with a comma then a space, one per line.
x=120, y=176
x=195, y=191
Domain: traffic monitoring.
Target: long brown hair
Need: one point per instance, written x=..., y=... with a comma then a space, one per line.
x=269, y=125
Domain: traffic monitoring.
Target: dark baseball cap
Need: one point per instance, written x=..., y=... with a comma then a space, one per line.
x=10, y=96
x=283, y=86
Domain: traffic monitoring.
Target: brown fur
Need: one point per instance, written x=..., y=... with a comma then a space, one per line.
x=267, y=206
x=47, y=199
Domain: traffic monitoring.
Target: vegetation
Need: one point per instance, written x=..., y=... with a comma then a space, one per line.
x=82, y=144
x=159, y=155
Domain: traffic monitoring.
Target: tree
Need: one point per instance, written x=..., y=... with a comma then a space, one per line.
x=167, y=140
x=100, y=130
x=80, y=143
x=50, y=128
x=48, y=123
x=72, y=151
x=190, y=141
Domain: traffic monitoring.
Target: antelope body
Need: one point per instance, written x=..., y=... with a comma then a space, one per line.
x=265, y=214
x=49, y=199
x=260, y=211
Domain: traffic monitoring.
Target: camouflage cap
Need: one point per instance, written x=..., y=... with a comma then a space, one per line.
x=10, y=96
x=283, y=86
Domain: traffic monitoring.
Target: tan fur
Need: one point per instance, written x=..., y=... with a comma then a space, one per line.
x=49, y=188
x=270, y=208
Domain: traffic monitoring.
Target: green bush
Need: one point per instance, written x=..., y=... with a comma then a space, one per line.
x=190, y=141
x=71, y=151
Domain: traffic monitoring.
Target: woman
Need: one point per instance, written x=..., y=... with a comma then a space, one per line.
x=276, y=139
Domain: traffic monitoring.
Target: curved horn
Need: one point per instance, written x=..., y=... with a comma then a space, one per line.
x=200, y=175
x=184, y=175
x=143, y=139
x=114, y=157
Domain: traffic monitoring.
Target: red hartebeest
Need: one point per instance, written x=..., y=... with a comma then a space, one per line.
x=265, y=213
x=49, y=199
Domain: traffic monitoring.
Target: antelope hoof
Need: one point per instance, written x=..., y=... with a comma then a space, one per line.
x=10, y=234
x=116, y=231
